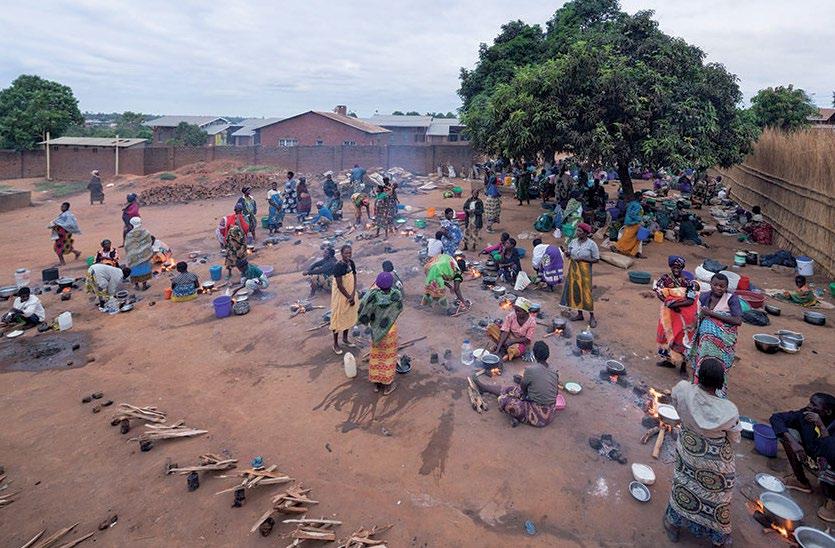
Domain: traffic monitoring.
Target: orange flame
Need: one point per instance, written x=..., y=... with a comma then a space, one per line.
x=474, y=272
x=652, y=407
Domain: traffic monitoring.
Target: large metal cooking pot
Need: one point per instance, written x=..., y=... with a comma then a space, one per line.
x=780, y=509
x=585, y=340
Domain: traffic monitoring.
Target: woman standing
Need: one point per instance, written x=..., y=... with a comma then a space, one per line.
x=572, y=216
x=473, y=221
x=234, y=238
x=343, y=298
x=139, y=249
x=385, y=208
x=628, y=243
x=305, y=203
x=704, y=475
x=63, y=227
x=95, y=187
x=452, y=232
x=379, y=310
x=291, y=199
x=130, y=211
x=276, y=211
x=249, y=209
x=576, y=294
x=677, y=319
x=719, y=316
x=493, y=201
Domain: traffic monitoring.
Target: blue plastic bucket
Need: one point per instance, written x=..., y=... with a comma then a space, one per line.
x=223, y=306
x=765, y=440
x=216, y=271
x=644, y=234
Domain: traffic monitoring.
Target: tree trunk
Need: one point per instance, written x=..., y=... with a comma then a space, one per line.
x=625, y=179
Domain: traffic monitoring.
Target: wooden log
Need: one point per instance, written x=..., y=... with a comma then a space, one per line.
x=55, y=537
x=261, y=520
x=649, y=433
x=659, y=442
x=313, y=521
x=77, y=541
x=311, y=533
x=34, y=539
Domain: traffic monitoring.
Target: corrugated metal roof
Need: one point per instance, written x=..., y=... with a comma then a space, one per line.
x=823, y=114
x=174, y=121
x=440, y=126
x=214, y=129
x=94, y=142
x=361, y=125
x=251, y=124
x=393, y=120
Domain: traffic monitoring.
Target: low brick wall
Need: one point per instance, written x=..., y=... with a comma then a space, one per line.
x=14, y=199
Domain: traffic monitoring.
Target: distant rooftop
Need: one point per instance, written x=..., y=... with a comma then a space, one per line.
x=94, y=142
x=361, y=125
x=823, y=114
x=440, y=126
x=393, y=120
x=174, y=121
x=251, y=124
x=214, y=129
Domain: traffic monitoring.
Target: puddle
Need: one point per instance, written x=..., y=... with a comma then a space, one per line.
x=43, y=352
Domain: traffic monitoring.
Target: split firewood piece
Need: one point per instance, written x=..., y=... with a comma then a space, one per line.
x=208, y=463
x=649, y=433
x=77, y=541
x=8, y=498
x=262, y=476
x=362, y=537
x=164, y=432
x=312, y=529
x=34, y=539
x=476, y=399
x=293, y=500
x=126, y=411
x=52, y=539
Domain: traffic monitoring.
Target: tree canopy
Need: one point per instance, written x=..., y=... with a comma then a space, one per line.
x=127, y=125
x=783, y=108
x=189, y=134
x=30, y=107
x=608, y=87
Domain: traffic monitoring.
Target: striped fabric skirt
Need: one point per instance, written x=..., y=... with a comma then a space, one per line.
x=382, y=363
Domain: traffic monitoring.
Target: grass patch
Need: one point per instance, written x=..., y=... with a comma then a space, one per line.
x=255, y=169
x=59, y=189
x=167, y=176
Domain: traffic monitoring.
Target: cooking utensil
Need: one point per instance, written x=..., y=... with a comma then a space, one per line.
x=788, y=346
x=769, y=482
x=499, y=290
x=615, y=367
x=208, y=284
x=766, y=343
x=780, y=509
x=773, y=310
x=814, y=318
x=747, y=425
x=585, y=340
x=63, y=283
x=8, y=291
x=558, y=323
x=535, y=308
x=809, y=537
x=638, y=277
x=669, y=416
x=793, y=336
x=643, y=473
x=573, y=387
x=126, y=308
x=639, y=491
x=14, y=334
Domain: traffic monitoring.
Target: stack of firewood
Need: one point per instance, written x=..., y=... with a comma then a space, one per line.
x=362, y=538
x=165, y=432
x=126, y=411
x=258, y=476
x=312, y=529
x=476, y=400
x=292, y=501
x=207, y=463
x=230, y=185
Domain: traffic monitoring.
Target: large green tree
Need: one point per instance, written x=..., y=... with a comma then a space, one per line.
x=189, y=134
x=782, y=107
x=30, y=107
x=612, y=89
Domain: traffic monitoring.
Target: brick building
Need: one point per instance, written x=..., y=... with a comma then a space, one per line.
x=164, y=127
x=412, y=130
x=246, y=134
x=316, y=128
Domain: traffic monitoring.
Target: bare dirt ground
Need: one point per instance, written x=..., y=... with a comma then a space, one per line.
x=420, y=459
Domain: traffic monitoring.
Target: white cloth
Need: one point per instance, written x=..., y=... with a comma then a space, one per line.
x=106, y=277
x=434, y=247
x=586, y=251
x=161, y=247
x=256, y=284
x=538, y=253
x=271, y=193
x=709, y=415
x=32, y=306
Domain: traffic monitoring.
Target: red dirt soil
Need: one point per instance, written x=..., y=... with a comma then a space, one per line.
x=420, y=458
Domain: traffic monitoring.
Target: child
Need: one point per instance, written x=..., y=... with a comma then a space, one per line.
x=496, y=248
x=434, y=246
x=107, y=255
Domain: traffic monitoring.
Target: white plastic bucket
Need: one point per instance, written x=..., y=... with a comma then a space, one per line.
x=21, y=277
x=64, y=321
x=350, y=364
x=805, y=266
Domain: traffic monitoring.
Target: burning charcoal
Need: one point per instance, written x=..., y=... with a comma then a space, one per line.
x=595, y=444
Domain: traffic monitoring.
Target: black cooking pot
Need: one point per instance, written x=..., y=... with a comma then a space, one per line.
x=585, y=340
x=63, y=283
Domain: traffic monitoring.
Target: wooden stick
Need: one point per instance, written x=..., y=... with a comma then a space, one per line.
x=316, y=327
x=34, y=539
x=313, y=521
x=659, y=442
x=401, y=346
x=55, y=537
x=649, y=433
x=261, y=520
x=77, y=541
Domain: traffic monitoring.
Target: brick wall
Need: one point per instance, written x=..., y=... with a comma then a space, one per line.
x=10, y=164
x=157, y=159
x=309, y=127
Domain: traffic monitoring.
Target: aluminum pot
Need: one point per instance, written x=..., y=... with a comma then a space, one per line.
x=767, y=343
x=585, y=340
x=814, y=318
x=780, y=509
x=558, y=323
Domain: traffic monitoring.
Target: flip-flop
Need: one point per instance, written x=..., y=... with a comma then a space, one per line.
x=390, y=389
x=350, y=344
x=337, y=351
x=593, y=323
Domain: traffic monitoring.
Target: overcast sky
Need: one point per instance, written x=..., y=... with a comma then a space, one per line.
x=278, y=58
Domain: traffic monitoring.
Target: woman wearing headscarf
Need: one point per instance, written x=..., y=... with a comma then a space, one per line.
x=492, y=200
x=107, y=254
x=547, y=260
x=442, y=272
x=234, y=238
x=572, y=216
x=516, y=333
x=343, y=298
x=139, y=250
x=130, y=211
x=678, y=316
x=63, y=227
x=705, y=471
x=379, y=309
x=305, y=203
x=582, y=253
x=249, y=209
x=276, y=208
x=628, y=243
x=473, y=221
x=95, y=187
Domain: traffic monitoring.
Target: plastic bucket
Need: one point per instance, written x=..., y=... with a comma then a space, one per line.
x=744, y=283
x=265, y=222
x=733, y=280
x=643, y=234
x=430, y=212
x=90, y=260
x=168, y=292
x=765, y=440
x=805, y=266
x=223, y=306
x=658, y=237
x=215, y=271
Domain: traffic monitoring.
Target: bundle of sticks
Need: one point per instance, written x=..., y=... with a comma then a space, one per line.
x=401, y=346
x=258, y=476
x=300, y=307
x=52, y=540
x=126, y=411
x=291, y=501
x=208, y=462
x=312, y=529
x=476, y=400
x=164, y=432
x=362, y=538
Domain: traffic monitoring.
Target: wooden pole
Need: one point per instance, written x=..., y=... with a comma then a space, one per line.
x=117, y=154
x=48, y=171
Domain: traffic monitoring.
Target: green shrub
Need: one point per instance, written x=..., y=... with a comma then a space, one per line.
x=167, y=176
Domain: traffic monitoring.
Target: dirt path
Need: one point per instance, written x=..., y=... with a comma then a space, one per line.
x=262, y=386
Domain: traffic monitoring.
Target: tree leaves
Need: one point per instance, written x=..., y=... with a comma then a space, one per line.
x=32, y=106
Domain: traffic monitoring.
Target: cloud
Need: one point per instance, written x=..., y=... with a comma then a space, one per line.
x=266, y=58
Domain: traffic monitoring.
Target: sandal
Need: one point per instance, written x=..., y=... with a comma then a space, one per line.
x=337, y=351
x=593, y=323
x=577, y=318
x=391, y=388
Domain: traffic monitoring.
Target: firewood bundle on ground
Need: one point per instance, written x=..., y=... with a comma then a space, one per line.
x=207, y=463
x=230, y=185
x=362, y=538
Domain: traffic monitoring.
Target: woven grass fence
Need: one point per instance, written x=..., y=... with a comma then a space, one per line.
x=792, y=177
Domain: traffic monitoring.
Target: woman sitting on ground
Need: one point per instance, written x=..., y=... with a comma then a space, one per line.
x=494, y=250
x=27, y=310
x=184, y=285
x=533, y=398
x=803, y=295
x=509, y=262
x=321, y=271
x=252, y=277
x=517, y=332
x=547, y=260
x=704, y=475
x=107, y=254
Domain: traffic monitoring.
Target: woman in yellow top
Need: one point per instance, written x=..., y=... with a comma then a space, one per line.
x=343, y=299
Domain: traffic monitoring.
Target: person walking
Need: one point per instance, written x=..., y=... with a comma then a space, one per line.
x=473, y=221
x=249, y=208
x=129, y=211
x=63, y=227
